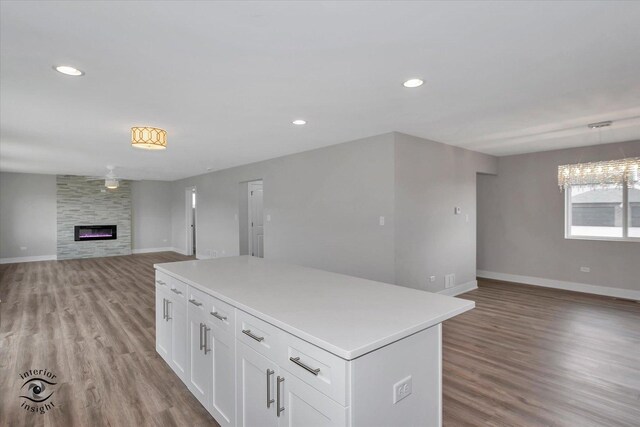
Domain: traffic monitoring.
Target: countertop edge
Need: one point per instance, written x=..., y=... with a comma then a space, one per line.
x=340, y=352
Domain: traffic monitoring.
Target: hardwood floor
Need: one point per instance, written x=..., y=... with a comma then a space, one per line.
x=525, y=356
x=530, y=356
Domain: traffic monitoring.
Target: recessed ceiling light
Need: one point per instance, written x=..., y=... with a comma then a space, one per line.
x=69, y=71
x=299, y=122
x=413, y=83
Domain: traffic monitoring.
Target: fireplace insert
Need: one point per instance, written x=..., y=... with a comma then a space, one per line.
x=95, y=232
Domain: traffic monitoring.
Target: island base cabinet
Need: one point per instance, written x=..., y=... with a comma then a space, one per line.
x=163, y=327
x=304, y=406
x=256, y=388
x=222, y=401
x=179, y=338
x=200, y=366
x=269, y=396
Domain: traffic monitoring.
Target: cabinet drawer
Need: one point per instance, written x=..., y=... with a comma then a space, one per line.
x=178, y=289
x=222, y=315
x=198, y=301
x=163, y=280
x=264, y=338
x=322, y=370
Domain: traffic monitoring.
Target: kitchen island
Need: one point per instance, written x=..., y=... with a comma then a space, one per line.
x=263, y=343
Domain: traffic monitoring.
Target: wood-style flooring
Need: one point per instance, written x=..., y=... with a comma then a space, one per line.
x=525, y=356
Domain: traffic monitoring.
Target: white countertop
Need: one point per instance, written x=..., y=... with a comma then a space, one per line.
x=344, y=315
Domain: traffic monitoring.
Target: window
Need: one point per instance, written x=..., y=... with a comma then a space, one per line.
x=606, y=212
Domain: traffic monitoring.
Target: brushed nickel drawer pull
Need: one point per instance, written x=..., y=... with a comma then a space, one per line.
x=297, y=361
x=160, y=282
x=194, y=302
x=201, y=326
x=164, y=308
x=218, y=316
x=205, y=339
x=279, y=409
x=175, y=291
x=269, y=399
x=255, y=337
x=168, y=307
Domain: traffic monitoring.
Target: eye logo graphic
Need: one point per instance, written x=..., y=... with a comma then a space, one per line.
x=37, y=391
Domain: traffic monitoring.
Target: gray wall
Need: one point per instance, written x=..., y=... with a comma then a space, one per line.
x=151, y=214
x=521, y=223
x=324, y=205
x=431, y=179
x=83, y=202
x=27, y=215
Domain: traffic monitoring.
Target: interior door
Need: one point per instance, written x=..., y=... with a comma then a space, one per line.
x=163, y=330
x=255, y=385
x=223, y=398
x=256, y=219
x=200, y=367
x=305, y=406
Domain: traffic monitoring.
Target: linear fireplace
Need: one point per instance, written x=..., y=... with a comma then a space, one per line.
x=95, y=232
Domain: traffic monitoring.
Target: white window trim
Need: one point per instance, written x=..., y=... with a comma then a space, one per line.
x=625, y=220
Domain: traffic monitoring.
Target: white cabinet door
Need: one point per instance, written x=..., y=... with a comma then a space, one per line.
x=179, y=337
x=256, y=385
x=222, y=402
x=163, y=327
x=304, y=406
x=200, y=366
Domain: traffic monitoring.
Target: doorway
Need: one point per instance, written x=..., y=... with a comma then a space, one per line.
x=190, y=213
x=255, y=218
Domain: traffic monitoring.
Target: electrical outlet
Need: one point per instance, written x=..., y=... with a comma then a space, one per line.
x=23, y=248
x=214, y=254
x=585, y=269
x=381, y=221
x=432, y=279
x=449, y=280
x=402, y=389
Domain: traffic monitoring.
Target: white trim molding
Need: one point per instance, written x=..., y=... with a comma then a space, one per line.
x=560, y=284
x=150, y=250
x=460, y=289
x=28, y=259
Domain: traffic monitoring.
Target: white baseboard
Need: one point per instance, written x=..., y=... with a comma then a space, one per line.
x=460, y=289
x=150, y=250
x=560, y=284
x=28, y=259
x=180, y=251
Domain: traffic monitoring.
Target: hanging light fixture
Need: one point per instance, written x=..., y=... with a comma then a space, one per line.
x=597, y=174
x=149, y=138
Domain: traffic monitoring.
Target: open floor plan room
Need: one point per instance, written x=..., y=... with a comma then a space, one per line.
x=319, y=213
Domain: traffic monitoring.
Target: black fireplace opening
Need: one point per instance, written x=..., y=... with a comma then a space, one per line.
x=95, y=232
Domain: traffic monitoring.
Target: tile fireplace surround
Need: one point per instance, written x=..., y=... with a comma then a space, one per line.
x=82, y=202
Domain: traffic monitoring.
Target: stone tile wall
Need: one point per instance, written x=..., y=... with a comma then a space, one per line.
x=82, y=202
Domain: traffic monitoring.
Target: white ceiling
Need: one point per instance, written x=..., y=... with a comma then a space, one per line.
x=227, y=78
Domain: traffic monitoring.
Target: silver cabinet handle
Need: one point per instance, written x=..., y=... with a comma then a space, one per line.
x=168, y=311
x=279, y=409
x=297, y=361
x=201, y=326
x=160, y=282
x=218, y=316
x=205, y=339
x=164, y=309
x=194, y=302
x=269, y=399
x=175, y=291
x=255, y=337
